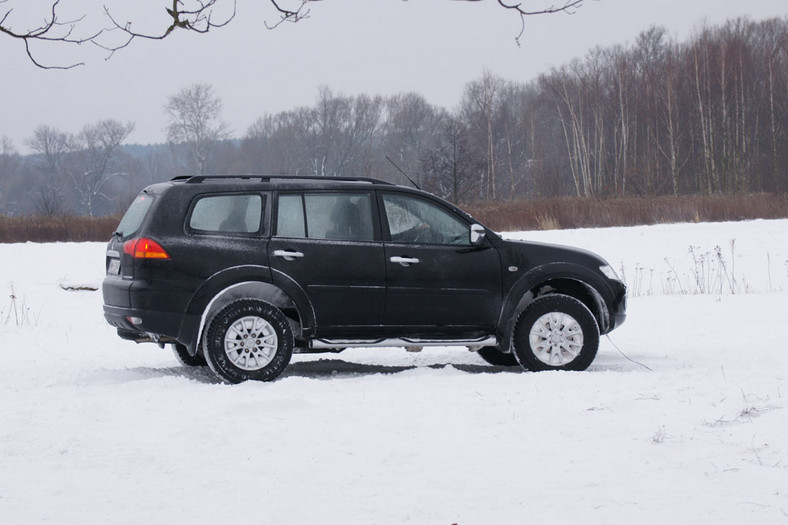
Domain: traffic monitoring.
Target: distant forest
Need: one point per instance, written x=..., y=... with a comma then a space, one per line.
x=656, y=117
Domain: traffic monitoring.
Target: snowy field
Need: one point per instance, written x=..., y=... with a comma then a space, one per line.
x=685, y=424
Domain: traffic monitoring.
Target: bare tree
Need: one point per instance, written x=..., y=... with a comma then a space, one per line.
x=9, y=164
x=670, y=144
x=195, y=126
x=53, y=145
x=481, y=103
x=451, y=168
x=99, y=160
x=194, y=16
x=571, y=101
x=54, y=148
x=9, y=158
x=278, y=143
x=774, y=47
x=341, y=127
x=411, y=127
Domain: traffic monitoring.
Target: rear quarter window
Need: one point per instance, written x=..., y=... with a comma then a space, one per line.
x=132, y=220
x=227, y=214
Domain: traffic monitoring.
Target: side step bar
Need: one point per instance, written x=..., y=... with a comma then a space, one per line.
x=472, y=344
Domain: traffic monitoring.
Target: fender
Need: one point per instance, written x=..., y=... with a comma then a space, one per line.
x=226, y=285
x=543, y=274
x=223, y=279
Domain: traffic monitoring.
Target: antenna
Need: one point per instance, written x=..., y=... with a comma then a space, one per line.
x=403, y=173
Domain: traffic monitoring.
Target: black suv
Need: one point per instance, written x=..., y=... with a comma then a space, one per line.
x=240, y=272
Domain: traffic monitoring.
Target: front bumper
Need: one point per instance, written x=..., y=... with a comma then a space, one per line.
x=619, y=312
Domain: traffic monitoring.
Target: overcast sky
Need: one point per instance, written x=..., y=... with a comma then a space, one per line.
x=433, y=47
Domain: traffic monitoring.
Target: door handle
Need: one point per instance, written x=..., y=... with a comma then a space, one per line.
x=404, y=261
x=287, y=255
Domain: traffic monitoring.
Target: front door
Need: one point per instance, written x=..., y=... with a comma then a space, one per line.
x=435, y=277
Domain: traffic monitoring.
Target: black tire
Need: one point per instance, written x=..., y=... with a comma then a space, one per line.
x=234, y=356
x=545, y=341
x=184, y=358
x=494, y=356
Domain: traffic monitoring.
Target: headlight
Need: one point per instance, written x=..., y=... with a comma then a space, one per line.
x=609, y=272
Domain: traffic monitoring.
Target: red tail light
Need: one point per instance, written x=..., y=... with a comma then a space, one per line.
x=144, y=248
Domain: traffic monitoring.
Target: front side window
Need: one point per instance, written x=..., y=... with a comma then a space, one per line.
x=418, y=221
x=341, y=216
x=227, y=214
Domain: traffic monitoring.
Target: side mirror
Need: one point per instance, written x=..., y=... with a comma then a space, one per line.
x=477, y=234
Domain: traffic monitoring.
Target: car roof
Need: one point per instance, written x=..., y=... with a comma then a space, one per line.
x=234, y=183
x=280, y=180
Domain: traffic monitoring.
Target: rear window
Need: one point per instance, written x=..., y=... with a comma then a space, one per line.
x=227, y=214
x=134, y=216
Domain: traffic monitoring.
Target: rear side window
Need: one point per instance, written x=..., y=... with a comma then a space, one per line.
x=290, y=219
x=341, y=216
x=227, y=214
x=134, y=216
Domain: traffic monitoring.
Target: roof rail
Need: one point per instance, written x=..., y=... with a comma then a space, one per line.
x=196, y=179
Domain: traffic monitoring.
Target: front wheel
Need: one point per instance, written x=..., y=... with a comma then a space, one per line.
x=248, y=340
x=556, y=332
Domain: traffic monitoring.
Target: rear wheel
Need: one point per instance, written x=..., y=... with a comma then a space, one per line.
x=556, y=332
x=494, y=356
x=248, y=340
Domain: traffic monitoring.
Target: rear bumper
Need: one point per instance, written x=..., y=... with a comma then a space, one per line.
x=147, y=307
x=144, y=321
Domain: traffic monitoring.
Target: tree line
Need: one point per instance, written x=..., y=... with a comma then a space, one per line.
x=655, y=117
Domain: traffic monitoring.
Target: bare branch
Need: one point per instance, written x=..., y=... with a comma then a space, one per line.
x=52, y=30
x=195, y=16
x=286, y=15
x=198, y=20
x=569, y=7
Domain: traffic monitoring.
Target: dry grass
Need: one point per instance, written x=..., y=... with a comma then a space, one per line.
x=548, y=214
x=553, y=214
x=56, y=229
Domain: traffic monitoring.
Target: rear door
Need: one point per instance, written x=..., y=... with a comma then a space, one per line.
x=436, y=279
x=327, y=243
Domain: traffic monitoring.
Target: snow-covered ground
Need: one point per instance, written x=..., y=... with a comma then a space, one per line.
x=687, y=425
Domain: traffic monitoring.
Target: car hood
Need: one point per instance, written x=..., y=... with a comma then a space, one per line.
x=529, y=254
